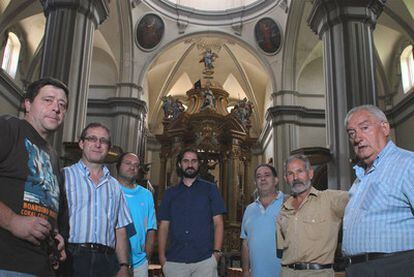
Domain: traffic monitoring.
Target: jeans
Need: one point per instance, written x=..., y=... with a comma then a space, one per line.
x=86, y=263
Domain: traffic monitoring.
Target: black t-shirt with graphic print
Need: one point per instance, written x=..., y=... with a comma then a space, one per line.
x=30, y=185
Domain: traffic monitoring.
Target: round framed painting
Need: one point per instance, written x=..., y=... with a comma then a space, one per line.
x=268, y=35
x=150, y=31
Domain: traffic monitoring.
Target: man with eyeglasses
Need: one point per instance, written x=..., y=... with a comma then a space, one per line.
x=378, y=229
x=98, y=214
x=32, y=200
x=141, y=206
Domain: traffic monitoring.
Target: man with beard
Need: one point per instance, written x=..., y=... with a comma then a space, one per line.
x=378, y=230
x=191, y=214
x=308, y=223
x=258, y=226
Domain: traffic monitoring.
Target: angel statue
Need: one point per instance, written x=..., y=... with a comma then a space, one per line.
x=208, y=58
x=243, y=110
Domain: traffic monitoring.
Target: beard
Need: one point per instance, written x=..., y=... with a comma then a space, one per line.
x=296, y=189
x=189, y=172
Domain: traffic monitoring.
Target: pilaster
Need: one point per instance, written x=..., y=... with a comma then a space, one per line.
x=345, y=28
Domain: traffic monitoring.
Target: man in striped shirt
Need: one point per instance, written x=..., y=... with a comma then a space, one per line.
x=98, y=214
x=378, y=229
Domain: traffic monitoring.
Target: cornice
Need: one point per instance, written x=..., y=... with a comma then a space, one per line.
x=10, y=90
x=401, y=112
x=213, y=18
x=97, y=10
x=297, y=115
x=327, y=13
x=117, y=106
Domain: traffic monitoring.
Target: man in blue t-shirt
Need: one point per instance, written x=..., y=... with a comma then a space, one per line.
x=141, y=205
x=191, y=217
x=259, y=226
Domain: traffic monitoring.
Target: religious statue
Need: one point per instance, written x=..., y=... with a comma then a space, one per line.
x=172, y=107
x=208, y=58
x=243, y=109
x=209, y=100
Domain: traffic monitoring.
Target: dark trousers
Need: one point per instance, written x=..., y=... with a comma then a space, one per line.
x=400, y=265
x=83, y=262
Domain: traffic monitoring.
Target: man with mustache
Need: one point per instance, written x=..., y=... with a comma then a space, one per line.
x=308, y=223
x=378, y=230
x=191, y=216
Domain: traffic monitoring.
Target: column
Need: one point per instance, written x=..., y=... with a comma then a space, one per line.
x=67, y=53
x=163, y=172
x=345, y=28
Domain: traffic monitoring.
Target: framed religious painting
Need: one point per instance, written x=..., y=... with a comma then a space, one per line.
x=268, y=36
x=150, y=31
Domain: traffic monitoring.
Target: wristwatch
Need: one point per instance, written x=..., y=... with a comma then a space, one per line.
x=218, y=251
x=125, y=264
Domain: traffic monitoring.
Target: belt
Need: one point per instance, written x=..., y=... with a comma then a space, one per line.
x=94, y=247
x=308, y=266
x=372, y=256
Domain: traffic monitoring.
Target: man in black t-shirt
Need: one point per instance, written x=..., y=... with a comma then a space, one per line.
x=32, y=200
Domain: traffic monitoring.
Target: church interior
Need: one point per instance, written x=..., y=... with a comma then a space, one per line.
x=244, y=82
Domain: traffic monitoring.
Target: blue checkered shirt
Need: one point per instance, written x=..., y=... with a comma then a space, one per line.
x=95, y=211
x=380, y=214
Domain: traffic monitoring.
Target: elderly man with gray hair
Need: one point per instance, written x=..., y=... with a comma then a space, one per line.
x=378, y=230
x=308, y=223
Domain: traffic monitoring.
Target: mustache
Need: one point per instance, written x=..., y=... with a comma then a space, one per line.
x=298, y=182
x=189, y=168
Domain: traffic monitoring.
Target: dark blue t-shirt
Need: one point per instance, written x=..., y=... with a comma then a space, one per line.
x=190, y=211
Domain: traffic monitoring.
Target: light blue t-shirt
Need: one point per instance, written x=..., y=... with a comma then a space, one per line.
x=141, y=205
x=259, y=228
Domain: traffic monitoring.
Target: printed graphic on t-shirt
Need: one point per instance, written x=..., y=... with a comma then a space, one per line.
x=41, y=190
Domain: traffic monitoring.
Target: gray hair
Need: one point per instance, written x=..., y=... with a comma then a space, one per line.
x=371, y=109
x=300, y=157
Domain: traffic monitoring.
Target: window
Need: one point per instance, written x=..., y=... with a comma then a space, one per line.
x=11, y=55
x=407, y=68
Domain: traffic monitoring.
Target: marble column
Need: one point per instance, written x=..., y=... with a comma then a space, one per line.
x=345, y=27
x=67, y=53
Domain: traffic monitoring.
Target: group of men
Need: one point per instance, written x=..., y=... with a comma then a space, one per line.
x=376, y=214
x=81, y=221
x=74, y=222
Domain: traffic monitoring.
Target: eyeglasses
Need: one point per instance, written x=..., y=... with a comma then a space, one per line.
x=94, y=139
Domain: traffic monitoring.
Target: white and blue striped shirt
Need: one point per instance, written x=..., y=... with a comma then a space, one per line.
x=380, y=214
x=95, y=211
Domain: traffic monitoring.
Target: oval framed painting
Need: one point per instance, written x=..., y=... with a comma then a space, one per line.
x=150, y=31
x=268, y=36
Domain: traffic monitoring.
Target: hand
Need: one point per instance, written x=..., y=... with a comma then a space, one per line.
x=123, y=272
x=61, y=248
x=246, y=273
x=30, y=228
x=162, y=260
x=217, y=256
